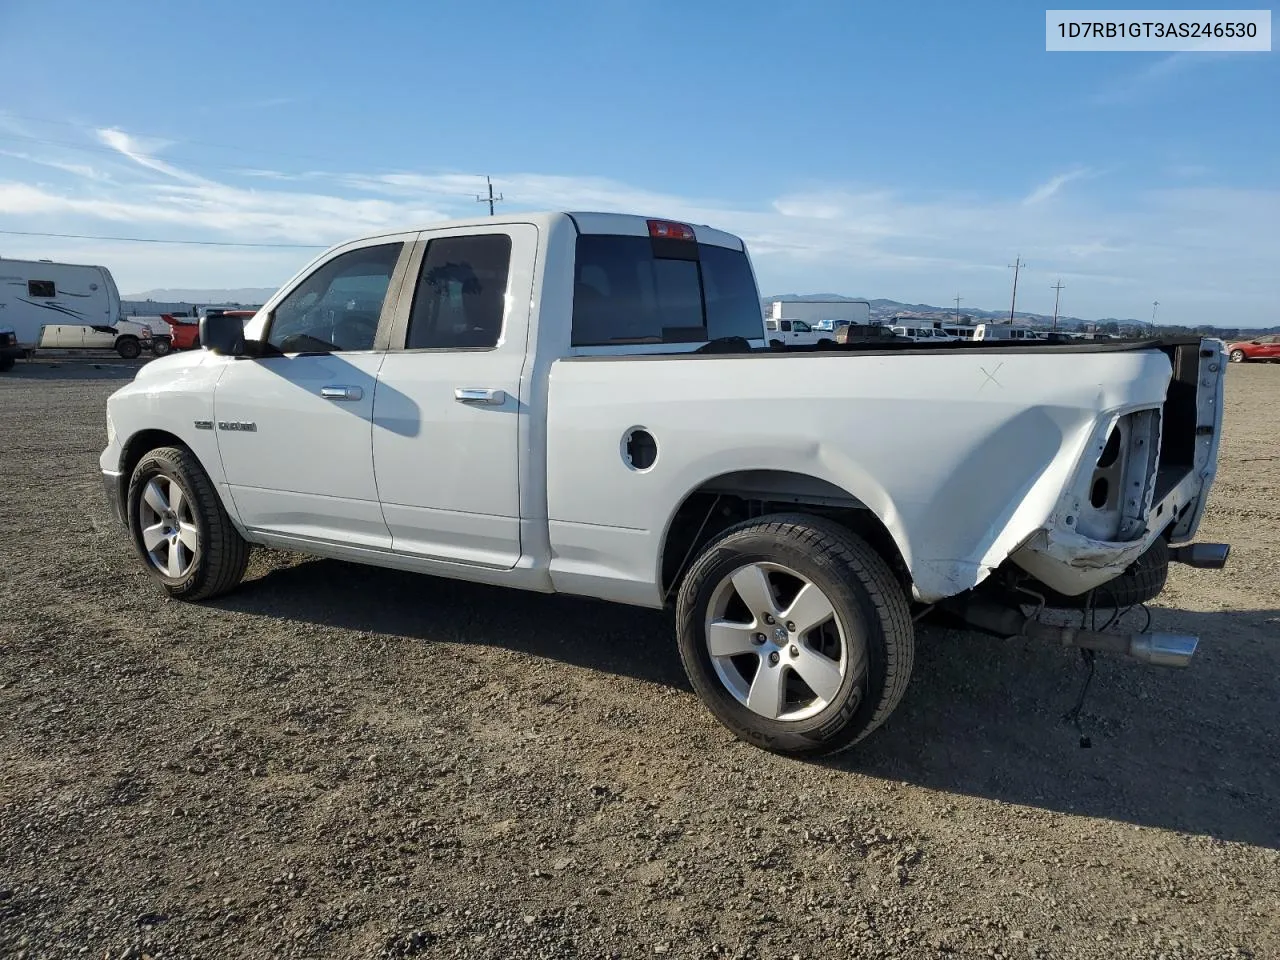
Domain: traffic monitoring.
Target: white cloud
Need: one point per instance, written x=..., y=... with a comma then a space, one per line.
x=79, y=169
x=140, y=151
x=1156, y=77
x=1198, y=250
x=1053, y=185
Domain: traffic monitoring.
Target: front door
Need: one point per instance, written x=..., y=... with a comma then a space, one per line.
x=295, y=421
x=446, y=421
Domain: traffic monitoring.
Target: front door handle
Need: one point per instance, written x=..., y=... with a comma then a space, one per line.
x=479, y=395
x=341, y=393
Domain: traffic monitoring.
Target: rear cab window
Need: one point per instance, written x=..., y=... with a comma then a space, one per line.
x=661, y=290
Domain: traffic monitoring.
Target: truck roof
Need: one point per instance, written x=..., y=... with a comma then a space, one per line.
x=585, y=221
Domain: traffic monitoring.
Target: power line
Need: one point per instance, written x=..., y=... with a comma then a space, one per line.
x=196, y=243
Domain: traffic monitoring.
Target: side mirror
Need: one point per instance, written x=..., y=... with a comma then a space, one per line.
x=222, y=334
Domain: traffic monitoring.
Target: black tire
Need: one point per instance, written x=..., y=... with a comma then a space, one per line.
x=161, y=346
x=7, y=361
x=1237, y=356
x=128, y=347
x=222, y=553
x=867, y=599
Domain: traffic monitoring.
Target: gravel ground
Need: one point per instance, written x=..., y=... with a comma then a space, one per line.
x=337, y=761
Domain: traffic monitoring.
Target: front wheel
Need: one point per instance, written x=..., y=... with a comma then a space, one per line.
x=795, y=633
x=7, y=361
x=128, y=347
x=161, y=346
x=180, y=528
x=1237, y=356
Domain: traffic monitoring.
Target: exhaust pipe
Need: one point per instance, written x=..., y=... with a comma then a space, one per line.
x=1206, y=556
x=1158, y=649
x=1163, y=649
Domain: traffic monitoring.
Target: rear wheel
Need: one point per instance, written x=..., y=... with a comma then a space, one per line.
x=161, y=346
x=7, y=361
x=795, y=633
x=128, y=347
x=180, y=528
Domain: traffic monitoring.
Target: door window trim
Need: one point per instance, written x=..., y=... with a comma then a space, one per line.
x=398, y=328
x=390, y=300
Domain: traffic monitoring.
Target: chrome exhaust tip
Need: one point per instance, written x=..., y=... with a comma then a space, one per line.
x=1206, y=556
x=1163, y=649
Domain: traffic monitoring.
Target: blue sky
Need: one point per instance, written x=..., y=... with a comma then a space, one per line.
x=909, y=151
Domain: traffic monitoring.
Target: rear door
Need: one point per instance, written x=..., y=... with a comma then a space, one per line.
x=446, y=420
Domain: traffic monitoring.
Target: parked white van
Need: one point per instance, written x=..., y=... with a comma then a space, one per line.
x=34, y=293
x=922, y=332
x=1004, y=331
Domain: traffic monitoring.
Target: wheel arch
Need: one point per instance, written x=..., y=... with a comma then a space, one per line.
x=719, y=502
x=143, y=442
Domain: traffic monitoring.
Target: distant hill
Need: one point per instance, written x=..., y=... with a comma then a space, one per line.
x=179, y=295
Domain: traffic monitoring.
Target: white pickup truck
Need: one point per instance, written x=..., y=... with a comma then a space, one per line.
x=585, y=403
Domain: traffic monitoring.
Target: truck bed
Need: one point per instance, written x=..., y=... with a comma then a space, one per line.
x=963, y=451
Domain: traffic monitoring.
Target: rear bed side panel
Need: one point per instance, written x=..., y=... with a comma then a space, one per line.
x=961, y=456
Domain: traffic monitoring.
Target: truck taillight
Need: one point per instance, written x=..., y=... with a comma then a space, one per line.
x=670, y=230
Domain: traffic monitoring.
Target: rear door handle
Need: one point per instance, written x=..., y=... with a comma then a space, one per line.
x=479, y=395
x=341, y=393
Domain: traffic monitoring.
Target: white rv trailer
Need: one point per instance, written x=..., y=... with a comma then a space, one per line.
x=36, y=293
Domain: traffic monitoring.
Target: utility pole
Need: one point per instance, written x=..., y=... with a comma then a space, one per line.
x=491, y=199
x=1015, y=267
x=957, y=308
x=1057, y=290
x=1154, y=304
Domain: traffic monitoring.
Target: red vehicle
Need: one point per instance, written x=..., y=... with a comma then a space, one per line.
x=1259, y=348
x=186, y=330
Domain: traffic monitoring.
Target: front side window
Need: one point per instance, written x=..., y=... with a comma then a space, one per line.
x=337, y=307
x=637, y=290
x=41, y=288
x=461, y=296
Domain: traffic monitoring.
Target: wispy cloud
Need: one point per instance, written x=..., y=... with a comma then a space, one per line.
x=140, y=151
x=78, y=169
x=1156, y=77
x=1051, y=186
x=1196, y=245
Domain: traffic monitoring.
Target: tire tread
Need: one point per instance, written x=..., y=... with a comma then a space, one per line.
x=226, y=552
x=823, y=538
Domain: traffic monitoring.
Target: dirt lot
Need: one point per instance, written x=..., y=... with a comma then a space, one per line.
x=344, y=762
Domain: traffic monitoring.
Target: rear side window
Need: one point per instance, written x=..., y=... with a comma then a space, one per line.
x=461, y=294
x=41, y=288
x=638, y=290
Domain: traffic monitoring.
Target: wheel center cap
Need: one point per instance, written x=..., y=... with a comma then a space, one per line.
x=780, y=635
